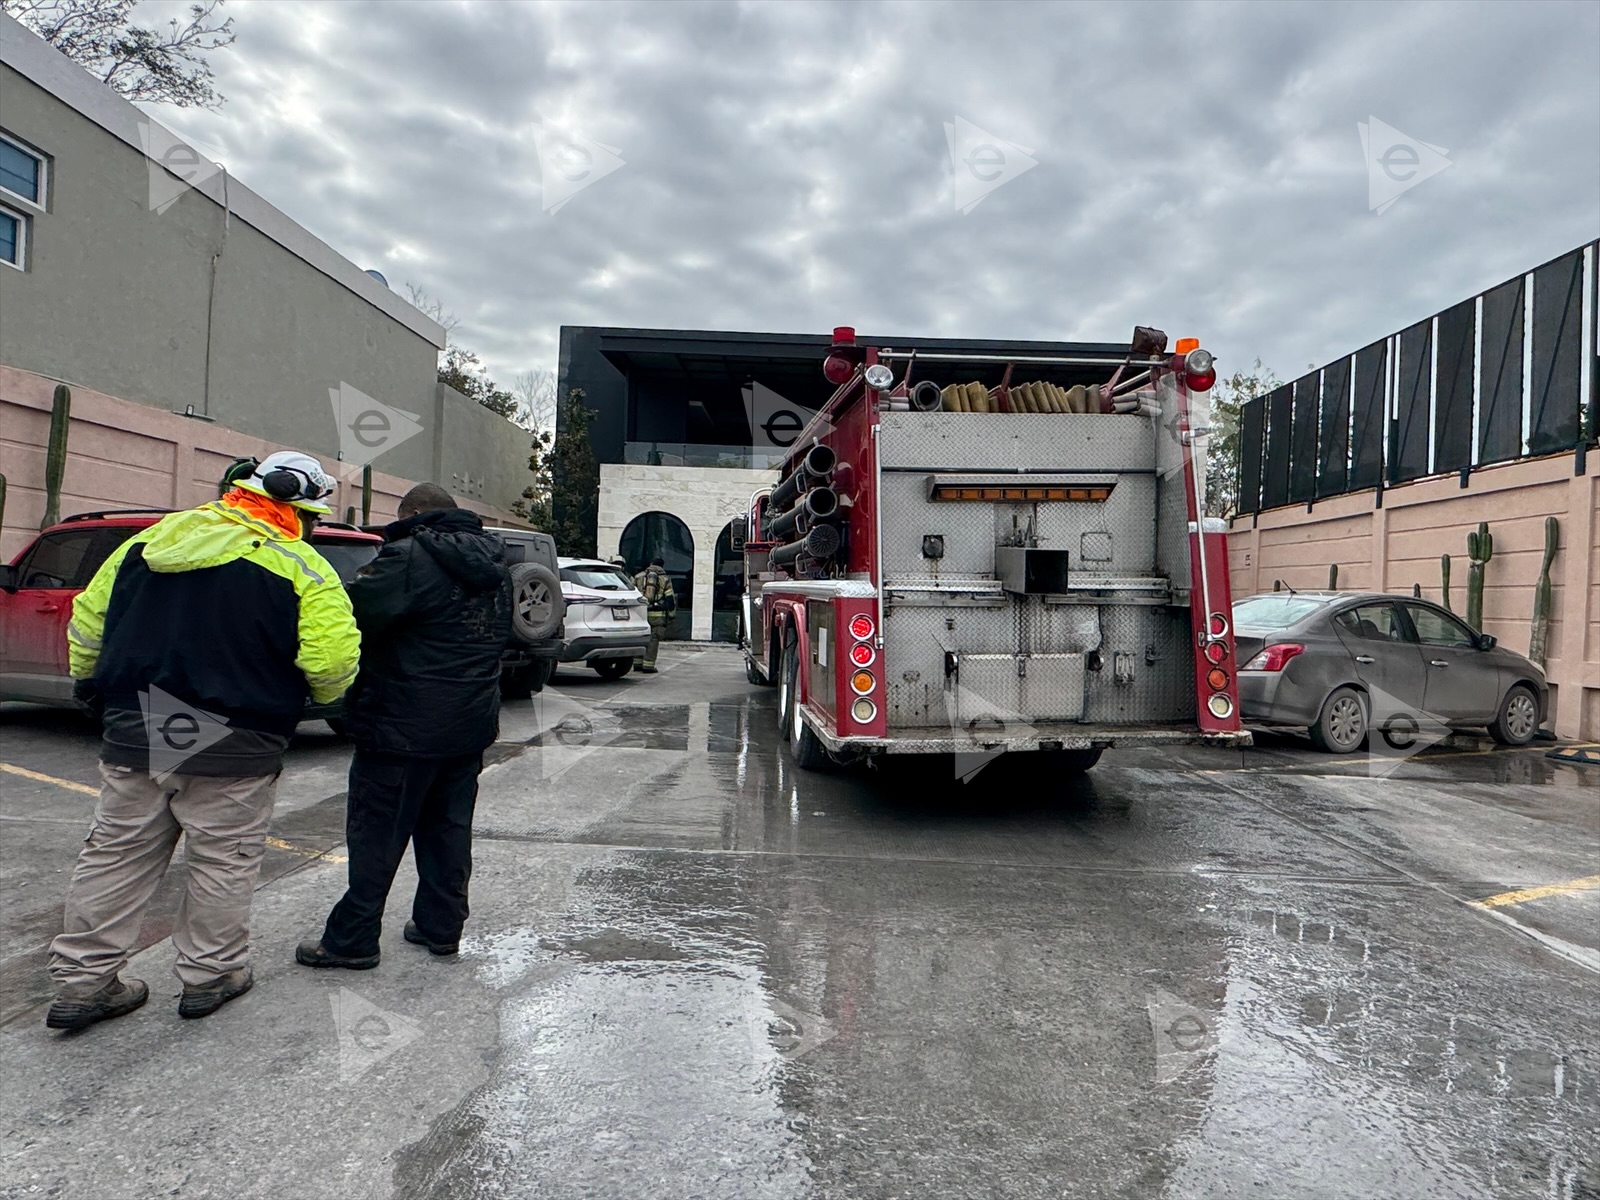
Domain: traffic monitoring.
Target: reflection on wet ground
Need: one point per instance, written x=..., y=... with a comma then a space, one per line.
x=693, y=971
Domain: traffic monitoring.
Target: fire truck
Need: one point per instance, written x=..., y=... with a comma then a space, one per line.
x=973, y=553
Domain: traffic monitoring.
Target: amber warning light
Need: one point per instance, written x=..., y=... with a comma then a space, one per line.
x=1096, y=494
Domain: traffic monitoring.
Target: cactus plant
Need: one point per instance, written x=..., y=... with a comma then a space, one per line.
x=1539, y=639
x=1416, y=591
x=1480, y=549
x=1444, y=580
x=2, y=500
x=1333, y=577
x=55, y=458
x=366, y=494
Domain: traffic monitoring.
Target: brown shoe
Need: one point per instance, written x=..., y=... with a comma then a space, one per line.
x=115, y=999
x=206, y=998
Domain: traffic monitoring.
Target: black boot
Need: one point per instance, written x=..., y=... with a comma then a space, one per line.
x=312, y=953
x=441, y=949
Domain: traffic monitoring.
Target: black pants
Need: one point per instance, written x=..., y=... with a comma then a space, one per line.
x=394, y=800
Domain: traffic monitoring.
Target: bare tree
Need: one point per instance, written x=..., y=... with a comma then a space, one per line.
x=156, y=64
x=535, y=391
x=431, y=306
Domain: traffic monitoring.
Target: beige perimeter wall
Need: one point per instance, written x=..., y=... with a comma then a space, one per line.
x=126, y=455
x=1391, y=548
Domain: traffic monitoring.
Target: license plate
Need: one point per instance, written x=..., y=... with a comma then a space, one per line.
x=619, y=614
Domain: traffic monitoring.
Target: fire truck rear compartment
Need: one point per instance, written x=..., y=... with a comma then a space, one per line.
x=1003, y=617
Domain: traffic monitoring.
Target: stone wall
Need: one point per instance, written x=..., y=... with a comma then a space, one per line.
x=1389, y=549
x=703, y=498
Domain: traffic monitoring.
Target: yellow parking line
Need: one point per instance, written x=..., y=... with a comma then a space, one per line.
x=1539, y=893
x=278, y=843
x=71, y=785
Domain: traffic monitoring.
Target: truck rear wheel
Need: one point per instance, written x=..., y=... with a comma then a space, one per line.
x=809, y=753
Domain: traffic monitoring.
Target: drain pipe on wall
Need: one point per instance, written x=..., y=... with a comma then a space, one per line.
x=211, y=302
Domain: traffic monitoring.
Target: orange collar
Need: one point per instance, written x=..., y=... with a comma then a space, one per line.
x=283, y=517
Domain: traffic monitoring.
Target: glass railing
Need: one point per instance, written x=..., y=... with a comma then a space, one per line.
x=689, y=454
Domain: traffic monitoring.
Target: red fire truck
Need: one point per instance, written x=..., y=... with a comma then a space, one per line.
x=969, y=553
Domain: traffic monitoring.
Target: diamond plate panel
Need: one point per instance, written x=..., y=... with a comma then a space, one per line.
x=1095, y=442
x=1160, y=690
x=1006, y=691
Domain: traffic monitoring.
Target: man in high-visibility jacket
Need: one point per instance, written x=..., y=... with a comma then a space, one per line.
x=655, y=585
x=200, y=639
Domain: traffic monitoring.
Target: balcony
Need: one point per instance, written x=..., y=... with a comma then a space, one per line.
x=690, y=454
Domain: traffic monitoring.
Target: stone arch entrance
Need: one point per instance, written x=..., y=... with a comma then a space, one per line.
x=727, y=582
x=660, y=533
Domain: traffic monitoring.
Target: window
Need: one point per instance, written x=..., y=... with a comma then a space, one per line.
x=600, y=579
x=1278, y=611
x=1435, y=628
x=58, y=560
x=13, y=238
x=1372, y=623
x=22, y=172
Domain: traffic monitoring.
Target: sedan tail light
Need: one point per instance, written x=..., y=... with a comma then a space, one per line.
x=1274, y=658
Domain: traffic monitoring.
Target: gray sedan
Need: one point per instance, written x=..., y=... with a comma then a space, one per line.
x=1339, y=663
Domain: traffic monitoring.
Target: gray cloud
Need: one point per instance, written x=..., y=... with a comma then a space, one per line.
x=1199, y=166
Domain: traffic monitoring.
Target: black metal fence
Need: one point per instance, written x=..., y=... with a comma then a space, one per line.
x=1497, y=377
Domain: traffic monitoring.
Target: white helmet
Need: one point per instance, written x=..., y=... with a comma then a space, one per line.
x=292, y=477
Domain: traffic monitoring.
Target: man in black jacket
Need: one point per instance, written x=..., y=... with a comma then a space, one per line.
x=434, y=610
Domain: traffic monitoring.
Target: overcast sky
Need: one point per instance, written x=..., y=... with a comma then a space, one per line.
x=785, y=166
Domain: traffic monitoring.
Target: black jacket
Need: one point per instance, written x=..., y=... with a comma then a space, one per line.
x=435, y=614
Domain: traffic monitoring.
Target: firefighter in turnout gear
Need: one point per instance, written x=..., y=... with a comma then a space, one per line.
x=655, y=585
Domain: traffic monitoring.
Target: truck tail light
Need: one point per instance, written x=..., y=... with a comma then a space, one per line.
x=1221, y=707
x=863, y=682
x=864, y=712
x=862, y=654
x=1216, y=652
x=1217, y=679
x=1219, y=625
x=1275, y=657
x=861, y=627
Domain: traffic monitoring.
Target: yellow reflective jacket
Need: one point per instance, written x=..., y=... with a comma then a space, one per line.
x=219, y=608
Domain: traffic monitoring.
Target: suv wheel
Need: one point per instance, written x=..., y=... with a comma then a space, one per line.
x=612, y=668
x=537, y=606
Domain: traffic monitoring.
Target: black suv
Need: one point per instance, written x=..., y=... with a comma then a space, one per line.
x=537, y=612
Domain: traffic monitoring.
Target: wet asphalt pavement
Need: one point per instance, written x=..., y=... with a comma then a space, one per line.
x=693, y=972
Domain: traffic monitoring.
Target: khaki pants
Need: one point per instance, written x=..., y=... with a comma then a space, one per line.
x=658, y=625
x=136, y=827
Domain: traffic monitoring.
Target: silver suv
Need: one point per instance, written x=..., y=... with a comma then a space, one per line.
x=536, y=612
x=606, y=626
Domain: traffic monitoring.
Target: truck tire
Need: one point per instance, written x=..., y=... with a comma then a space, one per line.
x=536, y=606
x=1341, y=726
x=1076, y=762
x=1517, y=720
x=753, y=675
x=809, y=753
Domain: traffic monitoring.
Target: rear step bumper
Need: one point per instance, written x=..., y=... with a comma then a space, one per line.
x=1045, y=735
